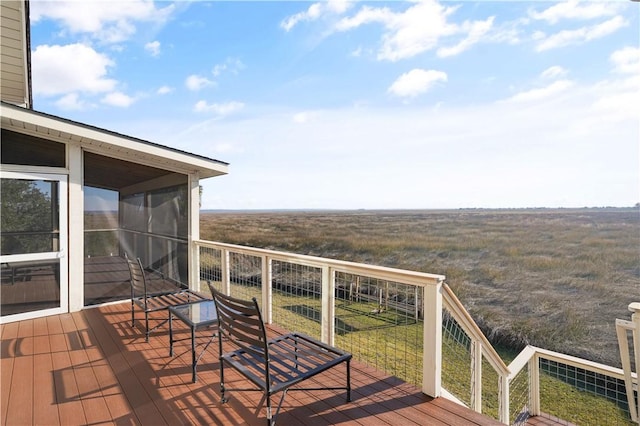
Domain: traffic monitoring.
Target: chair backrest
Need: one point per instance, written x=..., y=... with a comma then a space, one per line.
x=138, y=279
x=241, y=322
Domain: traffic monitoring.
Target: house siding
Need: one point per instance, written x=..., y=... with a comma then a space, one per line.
x=12, y=58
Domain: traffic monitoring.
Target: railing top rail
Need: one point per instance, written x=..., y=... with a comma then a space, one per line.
x=627, y=325
x=391, y=274
x=453, y=304
x=571, y=360
x=521, y=361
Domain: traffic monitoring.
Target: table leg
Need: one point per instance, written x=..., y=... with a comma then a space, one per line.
x=193, y=353
x=170, y=334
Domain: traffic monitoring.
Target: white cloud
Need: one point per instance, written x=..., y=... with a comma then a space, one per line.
x=196, y=82
x=118, y=99
x=419, y=28
x=71, y=68
x=153, y=47
x=71, y=101
x=304, y=117
x=218, y=109
x=542, y=93
x=618, y=100
x=164, y=90
x=570, y=153
x=554, y=72
x=416, y=82
x=626, y=60
x=476, y=31
x=574, y=9
x=103, y=21
x=580, y=35
x=314, y=12
x=232, y=65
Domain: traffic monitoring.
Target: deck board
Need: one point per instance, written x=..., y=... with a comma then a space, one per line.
x=91, y=367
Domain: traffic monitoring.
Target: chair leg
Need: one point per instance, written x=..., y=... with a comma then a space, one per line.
x=146, y=326
x=222, y=397
x=133, y=319
x=270, y=420
x=348, y=380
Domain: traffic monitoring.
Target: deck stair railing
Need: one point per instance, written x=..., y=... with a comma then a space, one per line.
x=623, y=329
x=411, y=325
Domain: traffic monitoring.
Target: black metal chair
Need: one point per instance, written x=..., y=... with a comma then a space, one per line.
x=154, y=301
x=271, y=365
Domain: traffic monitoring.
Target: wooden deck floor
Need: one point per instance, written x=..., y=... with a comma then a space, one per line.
x=92, y=368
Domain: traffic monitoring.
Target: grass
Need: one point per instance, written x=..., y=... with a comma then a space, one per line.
x=557, y=279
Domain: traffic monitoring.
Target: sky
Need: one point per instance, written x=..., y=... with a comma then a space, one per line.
x=362, y=105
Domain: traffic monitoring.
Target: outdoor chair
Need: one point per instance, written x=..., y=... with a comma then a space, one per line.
x=154, y=301
x=274, y=365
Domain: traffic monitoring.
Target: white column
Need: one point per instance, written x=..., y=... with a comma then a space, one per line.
x=432, y=352
x=267, y=291
x=327, y=332
x=194, y=231
x=76, y=228
x=476, y=377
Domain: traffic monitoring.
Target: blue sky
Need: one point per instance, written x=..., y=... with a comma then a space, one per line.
x=351, y=105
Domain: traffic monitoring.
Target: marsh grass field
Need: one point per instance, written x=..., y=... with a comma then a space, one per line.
x=557, y=279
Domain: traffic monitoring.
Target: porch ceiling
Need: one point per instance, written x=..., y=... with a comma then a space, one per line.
x=111, y=173
x=155, y=159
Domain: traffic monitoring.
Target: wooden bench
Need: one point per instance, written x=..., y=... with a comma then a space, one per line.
x=154, y=301
x=274, y=365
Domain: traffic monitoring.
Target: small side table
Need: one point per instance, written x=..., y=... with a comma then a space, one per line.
x=196, y=315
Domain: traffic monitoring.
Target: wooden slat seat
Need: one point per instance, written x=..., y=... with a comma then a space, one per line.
x=154, y=301
x=274, y=365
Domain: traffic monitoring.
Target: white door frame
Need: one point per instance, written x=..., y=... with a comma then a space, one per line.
x=61, y=254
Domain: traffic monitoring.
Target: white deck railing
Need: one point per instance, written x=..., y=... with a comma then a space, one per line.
x=355, y=306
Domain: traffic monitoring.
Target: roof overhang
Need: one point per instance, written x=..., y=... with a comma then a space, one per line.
x=108, y=143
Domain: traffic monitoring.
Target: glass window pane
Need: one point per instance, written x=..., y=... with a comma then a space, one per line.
x=29, y=220
x=30, y=286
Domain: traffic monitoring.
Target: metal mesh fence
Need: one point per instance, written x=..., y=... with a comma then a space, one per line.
x=245, y=275
x=456, y=359
x=581, y=396
x=519, y=397
x=210, y=268
x=490, y=390
x=297, y=297
x=380, y=323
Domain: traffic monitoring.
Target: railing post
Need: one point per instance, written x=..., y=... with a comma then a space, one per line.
x=225, y=271
x=534, y=386
x=267, y=291
x=194, y=270
x=503, y=397
x=432, y=352
x=327, y=331
x=622, y=327
x=635, y=318
x=476, y=376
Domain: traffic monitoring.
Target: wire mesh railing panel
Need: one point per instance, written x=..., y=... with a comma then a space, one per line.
x=297, y=297
x=581, y=396
x=380, y=323
x=210, y=268
x=245, y=276
x=519, y=395
x=490, y=390
x=456, y=359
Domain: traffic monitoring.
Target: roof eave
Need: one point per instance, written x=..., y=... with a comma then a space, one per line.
x=109, y=143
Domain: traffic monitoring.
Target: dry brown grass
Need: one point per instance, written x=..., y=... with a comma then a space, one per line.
x=553, y=278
